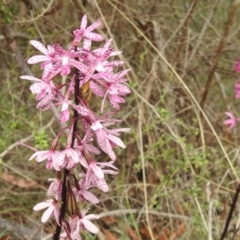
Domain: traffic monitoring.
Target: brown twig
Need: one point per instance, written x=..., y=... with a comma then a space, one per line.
x=185, y=29
x=17, y=54
x=235, y=198
x=216, y=59
x=28, y=3
x=218, y=54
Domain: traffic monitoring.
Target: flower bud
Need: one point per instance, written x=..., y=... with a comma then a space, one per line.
x=71, y=202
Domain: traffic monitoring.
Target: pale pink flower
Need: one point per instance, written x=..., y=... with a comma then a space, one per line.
x=237, y=66
x=107, y=139
x=83, y=148
x=102, y=139
x=99, y=183
x=87, y=146
x=48, y=155
x=40, y=87
x=83, y=193
x=232, y=121
x=64, y=113
x=93, y=169
x=237, y=90
x=55, y=188
x=102, y=54
x=114, y=84
x=97, y=61
x=94, y=176
x=77, y=223
x=96, y=89
x=82, y=159
x=67, y=158
x=56, y=60
x=86, y=32
x=49, y=53
x=74, y=230
x=104, y=50
x=82, y=110
x=67, y=60
x=85, y=222
x=52, y=210
x=45, y=91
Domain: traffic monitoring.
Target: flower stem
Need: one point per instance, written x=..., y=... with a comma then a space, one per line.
x=66, y=171
x=63, y=206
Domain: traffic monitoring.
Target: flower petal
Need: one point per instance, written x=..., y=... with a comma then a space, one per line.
x=37, y=59
x=94, y=26
x=39, y=46
x=90, y=197
x=96, y=89
x=94, y=36
x=30, y=78
x=83, y=22
x=105, y=145
x=89, y=226
x=41, y=206
x=47, y=214
x=78, y=65
x=117, y=141
x=97, y=170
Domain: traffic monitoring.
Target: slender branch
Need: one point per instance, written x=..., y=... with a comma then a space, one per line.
x=235, y=198
x=45, y=10
x=184, y=30
x=13, y=45
x=216, y=59
x=219, y=51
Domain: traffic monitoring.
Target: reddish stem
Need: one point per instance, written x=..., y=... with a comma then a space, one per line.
x=67, y=172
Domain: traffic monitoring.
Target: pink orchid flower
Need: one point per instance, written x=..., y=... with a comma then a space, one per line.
x=114, y=84
x=95, y=175
x=237, y=90
x=83, y=193
x=86, y=32
x=232, y=121
x=85, y=222
x=55, y=188
x=40, y=87
x=49, y=155
x=49, y=53
x=107, y=139
x=237, y=66
x=76, y=224
x=52, y=209
x=67, y=158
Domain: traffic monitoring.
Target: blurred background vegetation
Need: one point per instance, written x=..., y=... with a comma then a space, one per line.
x=180, y=170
